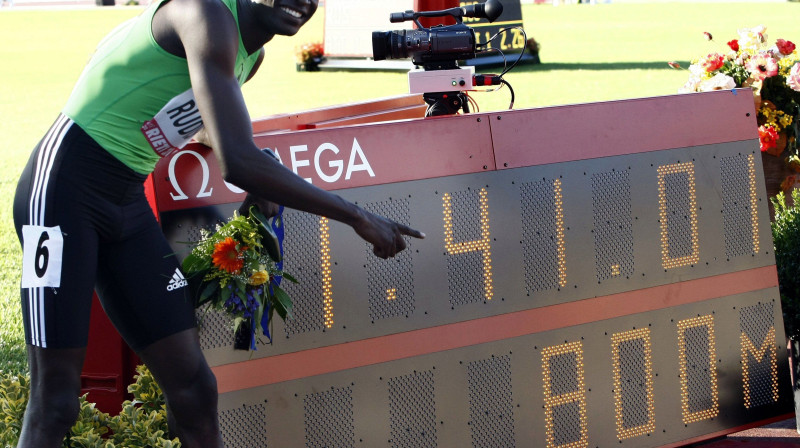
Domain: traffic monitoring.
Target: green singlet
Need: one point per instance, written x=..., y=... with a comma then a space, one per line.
x=135, y=99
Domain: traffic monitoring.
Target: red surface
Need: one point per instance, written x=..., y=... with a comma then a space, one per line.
x=110, y=364
x=393, y=152
x=384, y=109
x=435, y=5
x=587, y=131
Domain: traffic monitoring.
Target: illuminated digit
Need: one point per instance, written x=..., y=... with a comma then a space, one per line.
x=740, y=205
x=751, y=175
x=391, y=294
x=633, y=382
x=481, y=245
x=488, y=36
x=563, y=372
x=758, y=354
x=697, y=353
x=325, y=252
x=668, y=207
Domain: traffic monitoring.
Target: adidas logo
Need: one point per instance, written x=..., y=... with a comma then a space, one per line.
x=177, y=281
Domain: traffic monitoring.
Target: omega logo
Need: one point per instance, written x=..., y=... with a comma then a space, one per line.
x=328, y=167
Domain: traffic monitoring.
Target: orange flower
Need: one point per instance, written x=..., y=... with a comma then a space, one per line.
x=226, y=257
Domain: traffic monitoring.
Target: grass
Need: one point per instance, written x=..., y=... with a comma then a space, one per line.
x=590, y=53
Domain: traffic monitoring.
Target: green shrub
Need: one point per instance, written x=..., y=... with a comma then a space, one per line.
x=13, y=400
x=786, y=236
x=141, y=423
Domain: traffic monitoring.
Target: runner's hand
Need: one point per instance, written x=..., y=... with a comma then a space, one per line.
x=268, y=208
x=385, y=235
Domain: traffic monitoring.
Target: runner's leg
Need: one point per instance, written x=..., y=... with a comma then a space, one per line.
x=57, y=281
x=190, y=387
x=145, y=295
x=53, y=402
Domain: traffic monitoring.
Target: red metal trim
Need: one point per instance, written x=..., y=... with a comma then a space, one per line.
x=318, y=361
x=587, y=131
x=379, y=109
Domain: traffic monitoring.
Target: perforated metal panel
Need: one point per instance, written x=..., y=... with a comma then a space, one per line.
x=566, y=380
x=412, y=410
x=543, y=234
x=698, y=372
x=468, y=223
x=329, y=419
x=215, y=329
x=613, y=227
x=564, y=393
x=759, y=357
x=253, y=418
x=491, y=405
x=390, y=281
x=634, y=391
x=634, y=383
x=678, y=215
x=739, y=209
x=302, y=259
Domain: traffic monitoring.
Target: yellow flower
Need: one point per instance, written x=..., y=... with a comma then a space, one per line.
x=258, y=278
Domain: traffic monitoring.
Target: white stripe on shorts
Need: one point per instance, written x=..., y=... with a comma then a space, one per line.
x=36, y=215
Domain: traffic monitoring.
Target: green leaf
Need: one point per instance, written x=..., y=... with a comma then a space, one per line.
x=268, y=238
x=210, y=289
x=285, y=302
x=289, y=277
x=194, y=264
x=259, y=314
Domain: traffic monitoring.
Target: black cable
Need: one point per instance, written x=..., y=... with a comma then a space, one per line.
x=504, y=82
x=521, y=53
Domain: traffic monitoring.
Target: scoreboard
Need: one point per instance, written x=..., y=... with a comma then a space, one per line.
x=593, y=275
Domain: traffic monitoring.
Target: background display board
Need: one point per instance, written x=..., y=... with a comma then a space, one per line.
x=512, y=41
x=612, y=284
x=349, y=24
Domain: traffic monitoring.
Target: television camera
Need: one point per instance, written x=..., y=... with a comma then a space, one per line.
x=437, y=50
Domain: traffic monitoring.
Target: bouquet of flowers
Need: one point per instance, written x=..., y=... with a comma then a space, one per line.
x=773, y=72
x=238, y=270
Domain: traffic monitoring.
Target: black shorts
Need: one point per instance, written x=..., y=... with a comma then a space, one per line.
x=85, y=224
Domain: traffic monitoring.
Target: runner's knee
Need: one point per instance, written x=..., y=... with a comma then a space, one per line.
x=194, y=397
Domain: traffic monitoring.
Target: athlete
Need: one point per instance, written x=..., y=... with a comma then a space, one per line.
x=84, y=223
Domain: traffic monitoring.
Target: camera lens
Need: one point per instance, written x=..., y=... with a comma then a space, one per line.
x=381, y=44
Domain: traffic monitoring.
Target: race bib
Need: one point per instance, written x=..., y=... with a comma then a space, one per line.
x=42, y=251
x=174, y=125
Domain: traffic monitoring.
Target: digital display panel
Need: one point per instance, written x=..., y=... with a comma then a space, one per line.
x=547, y=291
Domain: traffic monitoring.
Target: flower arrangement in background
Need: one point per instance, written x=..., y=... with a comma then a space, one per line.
x=309, y=56
x=237, y=269
x=773, y=72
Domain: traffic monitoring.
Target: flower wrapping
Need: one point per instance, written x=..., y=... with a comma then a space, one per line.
x=238, y=269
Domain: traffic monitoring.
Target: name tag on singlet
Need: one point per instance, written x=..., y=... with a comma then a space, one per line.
x=174, y=125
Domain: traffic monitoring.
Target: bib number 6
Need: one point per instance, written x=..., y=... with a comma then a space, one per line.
x=42, y=249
